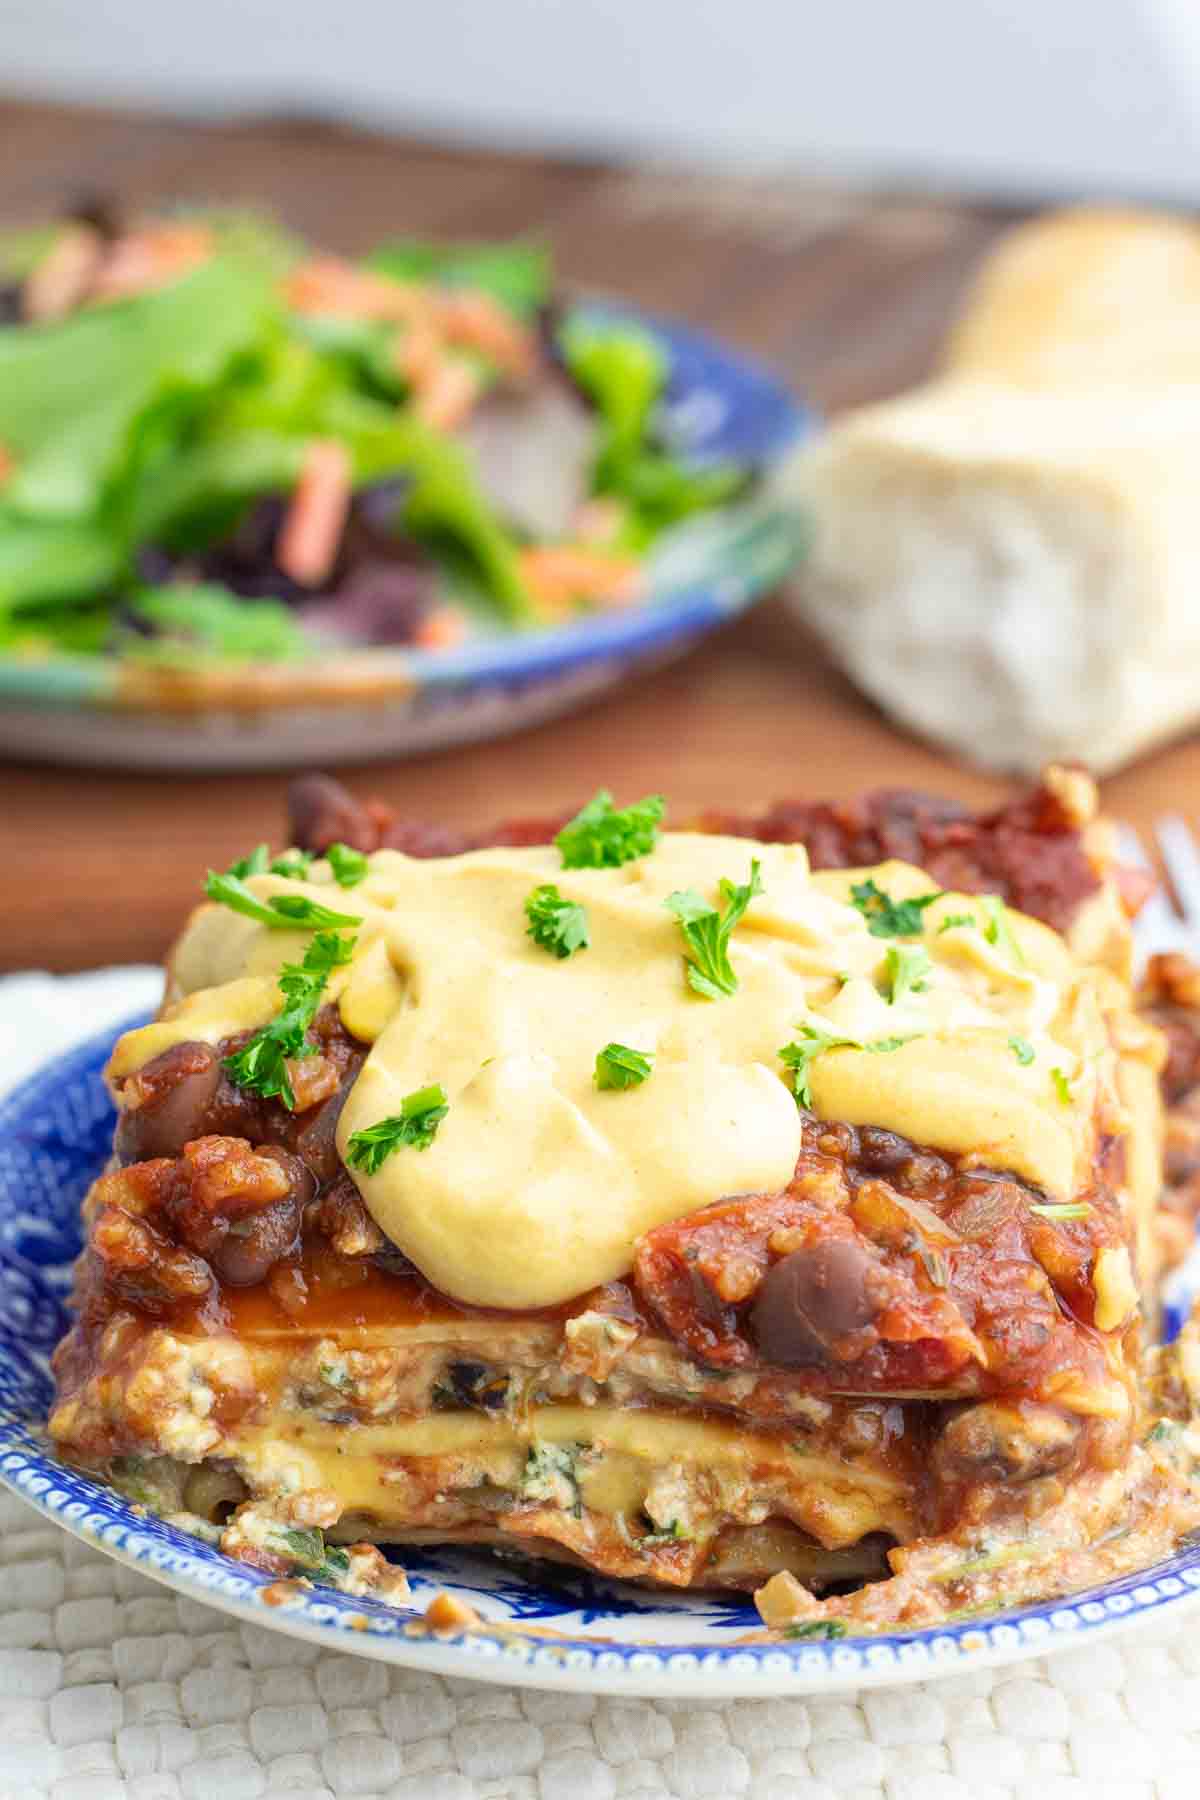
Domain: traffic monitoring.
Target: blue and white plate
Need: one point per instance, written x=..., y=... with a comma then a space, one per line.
x=718, y=406
x=589, y=1633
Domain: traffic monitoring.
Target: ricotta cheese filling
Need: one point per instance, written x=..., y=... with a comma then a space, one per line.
x=538, y=1182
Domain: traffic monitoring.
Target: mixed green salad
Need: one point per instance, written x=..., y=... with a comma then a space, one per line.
x=217, y=443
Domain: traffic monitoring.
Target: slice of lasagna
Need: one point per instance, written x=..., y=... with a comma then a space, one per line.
x=657, y=1201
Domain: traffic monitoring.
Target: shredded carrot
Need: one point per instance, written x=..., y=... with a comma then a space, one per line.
x=477, y=322
x=64, y=276
x=447, y=395
x=418, y=352
x=329, y=285
x=445, y=627
x=598, y=522
x=560, y=577
x=308, y=541
x=141, y=260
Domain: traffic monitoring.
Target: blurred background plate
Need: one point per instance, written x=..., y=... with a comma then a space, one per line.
x=383, y=702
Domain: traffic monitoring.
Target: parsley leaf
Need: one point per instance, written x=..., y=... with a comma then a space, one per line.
x=415, y=1125
x=952, y=920
x=799, y=1056
x=814, y=1041
x=1064, y=1209
x=261, y=1064
x=887, y=917
x=908, y=971
x=349, y=866
x=1022, y=1049
x=1062, y=1086
x=257, y=863
x=707, y=933
x=295, y=863
x=603, y=837
x=556, y=924
x=307, y=1546
x=282, y=912
x=617, y=1066
x=816, y=1628
x=998, y=931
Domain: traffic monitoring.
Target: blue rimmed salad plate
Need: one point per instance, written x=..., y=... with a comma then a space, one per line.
x=152, y=449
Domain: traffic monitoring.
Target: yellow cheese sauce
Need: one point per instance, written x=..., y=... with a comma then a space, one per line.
x=839, y=1501
x=538, y=1184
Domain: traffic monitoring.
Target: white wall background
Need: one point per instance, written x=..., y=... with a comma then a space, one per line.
x=1012, y=95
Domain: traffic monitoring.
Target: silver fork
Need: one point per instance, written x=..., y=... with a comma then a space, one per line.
x=1163, y=924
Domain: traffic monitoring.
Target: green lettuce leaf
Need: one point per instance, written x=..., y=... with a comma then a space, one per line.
x=624, y=373
x=254, y=442
x=207, y=623
x=519, y=275
x=53, y=559
x=70, y=392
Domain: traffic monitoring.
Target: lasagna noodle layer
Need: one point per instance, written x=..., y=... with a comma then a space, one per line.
x=693, y=1474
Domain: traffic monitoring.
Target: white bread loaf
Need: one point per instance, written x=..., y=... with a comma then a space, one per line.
x=1015, y=571
x=1093, y=293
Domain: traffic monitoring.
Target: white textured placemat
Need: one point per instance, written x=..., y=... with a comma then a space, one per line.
x=111, y=1688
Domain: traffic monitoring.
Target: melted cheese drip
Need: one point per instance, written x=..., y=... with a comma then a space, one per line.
x=538, y=1184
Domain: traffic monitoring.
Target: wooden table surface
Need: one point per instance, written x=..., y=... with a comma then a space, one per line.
x=847, y=294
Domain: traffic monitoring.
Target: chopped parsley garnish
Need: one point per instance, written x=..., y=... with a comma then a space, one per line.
x=816, y=1628
x=282, y=912
x=799, y=1056
x=908, y=971
x=349, y=866
x=555, y=923
x=414, y=1126
x=887, y=917
x=707, y=933
x=319, y=1560
x=1062, y=1086
x=952, y=920
x=294, y=863
x=603, y=836
x=257, y=863
x=1064, y=1210
x=307, y=1546
x=617, y=1066
x=1022, y=1049
x=813, y=1042
x=998, y=931
x=260, y=1066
